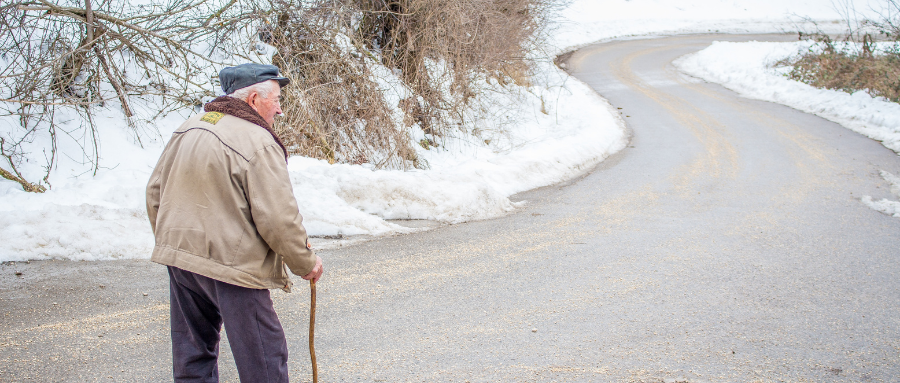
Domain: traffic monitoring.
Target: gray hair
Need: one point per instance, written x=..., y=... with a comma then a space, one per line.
x=264, y=89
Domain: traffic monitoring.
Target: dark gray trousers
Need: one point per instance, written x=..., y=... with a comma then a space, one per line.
x=199, y=305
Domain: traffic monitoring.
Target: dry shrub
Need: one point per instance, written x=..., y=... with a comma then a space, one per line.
x=877, y=74
x=849, y=73
x=334, y=109
x=442, y=52
x=468, y=39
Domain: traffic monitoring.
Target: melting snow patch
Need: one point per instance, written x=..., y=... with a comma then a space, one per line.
x=886, y=206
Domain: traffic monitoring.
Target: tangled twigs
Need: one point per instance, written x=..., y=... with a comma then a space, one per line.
x=79, y=55
x=113, y=80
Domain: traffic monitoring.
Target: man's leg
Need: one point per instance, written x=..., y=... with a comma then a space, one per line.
x=195, y=327
x=255, y=334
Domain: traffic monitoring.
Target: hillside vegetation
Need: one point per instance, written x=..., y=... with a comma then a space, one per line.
x=367, y=75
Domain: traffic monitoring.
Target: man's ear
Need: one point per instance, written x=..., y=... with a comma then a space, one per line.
x=251, y=99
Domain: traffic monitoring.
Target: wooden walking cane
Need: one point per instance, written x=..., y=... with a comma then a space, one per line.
x=312, y=328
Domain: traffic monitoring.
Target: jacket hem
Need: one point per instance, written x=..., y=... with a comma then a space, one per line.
x=206, y=267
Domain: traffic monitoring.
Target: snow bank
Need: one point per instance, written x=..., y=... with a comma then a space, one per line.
x=468, y=181
x=747, y=68
x=86, y=217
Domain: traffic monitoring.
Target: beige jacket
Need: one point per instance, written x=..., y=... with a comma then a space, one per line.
x=221, y=205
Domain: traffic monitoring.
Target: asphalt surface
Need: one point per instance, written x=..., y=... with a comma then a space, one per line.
x=727, y=243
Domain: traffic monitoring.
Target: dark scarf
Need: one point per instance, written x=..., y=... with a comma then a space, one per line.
x=240, y=109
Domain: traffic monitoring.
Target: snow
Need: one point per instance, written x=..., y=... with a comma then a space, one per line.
x=523, y=138
x=588, y=21
x=465, y=182
x=886, y=206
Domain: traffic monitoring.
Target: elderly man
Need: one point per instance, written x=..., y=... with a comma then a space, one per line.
x=227, y=226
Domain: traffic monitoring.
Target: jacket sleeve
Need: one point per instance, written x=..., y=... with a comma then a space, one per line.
x=153, y=196
x=274, y=209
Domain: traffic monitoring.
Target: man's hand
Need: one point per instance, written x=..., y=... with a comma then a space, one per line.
x=316, y=272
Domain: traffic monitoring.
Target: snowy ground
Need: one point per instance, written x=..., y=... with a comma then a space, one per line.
x=750, y=69
x=588, y=21
x=542, y=135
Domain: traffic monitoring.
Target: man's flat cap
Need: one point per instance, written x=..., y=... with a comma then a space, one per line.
x=236, y=77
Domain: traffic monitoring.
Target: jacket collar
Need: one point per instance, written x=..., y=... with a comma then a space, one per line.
x=240, y=109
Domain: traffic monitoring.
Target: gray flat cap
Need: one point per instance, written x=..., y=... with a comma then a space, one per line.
x=236, y=77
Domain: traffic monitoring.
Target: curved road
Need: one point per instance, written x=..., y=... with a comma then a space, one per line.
x=726, y=243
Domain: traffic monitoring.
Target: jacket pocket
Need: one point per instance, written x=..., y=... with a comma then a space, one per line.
x=192, y=241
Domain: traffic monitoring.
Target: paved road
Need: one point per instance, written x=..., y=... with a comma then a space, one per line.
x=726, y=243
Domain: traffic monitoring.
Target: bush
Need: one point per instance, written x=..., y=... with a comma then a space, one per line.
x=829, y=67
